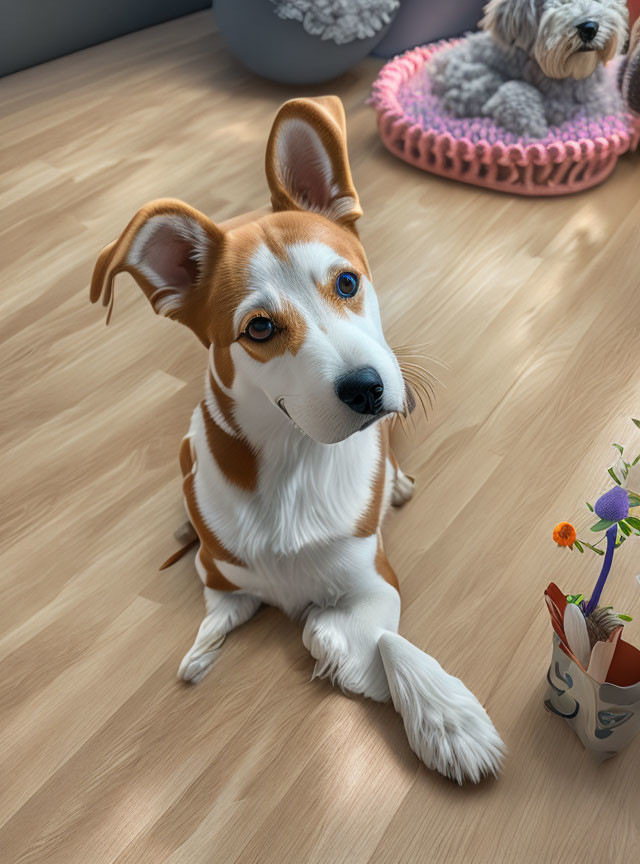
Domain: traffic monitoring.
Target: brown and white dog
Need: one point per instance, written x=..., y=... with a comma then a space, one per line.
x=287, y=467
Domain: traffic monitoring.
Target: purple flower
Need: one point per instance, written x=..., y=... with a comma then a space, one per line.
x=613, y=505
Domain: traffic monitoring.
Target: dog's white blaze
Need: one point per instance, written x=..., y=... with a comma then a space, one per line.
x=272, y=279
x=334, y=343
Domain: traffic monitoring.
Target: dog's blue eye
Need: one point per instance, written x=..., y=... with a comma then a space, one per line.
x=347, y=284
x=260, y=329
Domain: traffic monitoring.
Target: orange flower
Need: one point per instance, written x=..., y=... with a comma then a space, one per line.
x=564, y=534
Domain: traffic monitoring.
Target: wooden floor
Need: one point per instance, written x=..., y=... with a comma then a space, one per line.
x=534, y=306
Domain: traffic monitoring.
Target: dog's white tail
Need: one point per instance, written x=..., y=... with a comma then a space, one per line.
x=446, y=725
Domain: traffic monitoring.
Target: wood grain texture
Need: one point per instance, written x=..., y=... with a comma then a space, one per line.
x=104, y=757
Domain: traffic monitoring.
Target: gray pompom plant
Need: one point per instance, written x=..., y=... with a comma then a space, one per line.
x=339, y=20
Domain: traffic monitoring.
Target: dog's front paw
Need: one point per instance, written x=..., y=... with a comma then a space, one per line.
x=462, y=744
x=518, y=107
x=446, y=725
x=198, y=661
x=326, y=643
x=345, y=652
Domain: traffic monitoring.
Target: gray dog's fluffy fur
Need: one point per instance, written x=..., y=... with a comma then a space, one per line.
x=530, y=69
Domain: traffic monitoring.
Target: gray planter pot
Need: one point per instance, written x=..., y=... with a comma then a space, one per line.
x=282, y=50
x=422, y=21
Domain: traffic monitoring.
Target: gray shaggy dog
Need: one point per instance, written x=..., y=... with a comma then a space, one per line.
x=535, y=65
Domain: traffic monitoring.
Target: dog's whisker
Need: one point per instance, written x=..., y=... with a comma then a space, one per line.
x=422, y=371
x=426, y=379
x=412, y=346
x=411, y=355
x=421, y=392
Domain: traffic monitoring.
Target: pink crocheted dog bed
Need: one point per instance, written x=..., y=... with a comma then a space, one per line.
x=574, y=156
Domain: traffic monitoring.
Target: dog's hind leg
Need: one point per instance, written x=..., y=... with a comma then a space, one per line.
x=226, y=610
x=186, y=533
x=402, y=489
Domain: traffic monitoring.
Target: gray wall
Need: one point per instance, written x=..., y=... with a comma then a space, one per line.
x=32, y=31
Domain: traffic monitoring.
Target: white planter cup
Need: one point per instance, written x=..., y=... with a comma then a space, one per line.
x=605, y=717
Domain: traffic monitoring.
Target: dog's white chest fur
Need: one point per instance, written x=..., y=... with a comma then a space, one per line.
x=296, y=532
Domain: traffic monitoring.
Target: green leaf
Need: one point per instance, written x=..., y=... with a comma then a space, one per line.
x=602, y=525
x=578, y=546
x=589, y=506
x=593, y=548
x=619, y=448
x=637, y=422
x=613, y=474
x=636, y=460
x=626, y=530
x=634, y=500
x=634, y=522
x=625, y=617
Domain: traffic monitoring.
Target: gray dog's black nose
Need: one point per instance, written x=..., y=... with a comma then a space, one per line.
x=361, y=390
x=588, y=31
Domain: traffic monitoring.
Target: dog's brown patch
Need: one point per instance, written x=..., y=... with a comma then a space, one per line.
x=225, y=403
x=233, y=455
x=186, y=456
x=214, y=578
x=294, y=227
x=392, y=458
x=224, y=364
x=211, y=548
x=342, y=305
x=384, y=568
x=291, y=329
x=368, y=523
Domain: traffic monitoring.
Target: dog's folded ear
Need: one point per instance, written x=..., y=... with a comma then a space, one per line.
x=307, y=164
x=512, y=22
x=170, y=249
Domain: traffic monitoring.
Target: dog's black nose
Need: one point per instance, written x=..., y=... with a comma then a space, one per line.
x=361, y=390
x=588, y=31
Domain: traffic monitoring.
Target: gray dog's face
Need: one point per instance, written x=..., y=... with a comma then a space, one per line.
x=568, y=38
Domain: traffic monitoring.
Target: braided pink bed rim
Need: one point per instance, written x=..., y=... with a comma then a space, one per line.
x=559, y=168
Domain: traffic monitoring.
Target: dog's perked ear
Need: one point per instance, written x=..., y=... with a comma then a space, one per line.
x=513, y=22
x=307, y=164
x=170, y=249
